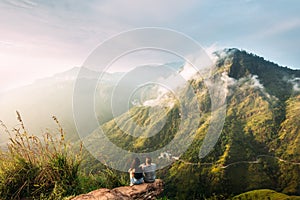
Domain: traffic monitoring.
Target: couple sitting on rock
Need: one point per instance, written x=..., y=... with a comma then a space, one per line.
x=142, y=173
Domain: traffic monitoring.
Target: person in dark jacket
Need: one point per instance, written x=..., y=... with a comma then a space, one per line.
x=136, y=172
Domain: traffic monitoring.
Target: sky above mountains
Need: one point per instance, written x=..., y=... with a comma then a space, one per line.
x=39, y=38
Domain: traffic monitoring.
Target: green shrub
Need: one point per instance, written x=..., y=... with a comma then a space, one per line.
x=104, y=178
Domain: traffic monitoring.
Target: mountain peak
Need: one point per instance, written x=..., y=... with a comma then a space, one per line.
x=277, y=80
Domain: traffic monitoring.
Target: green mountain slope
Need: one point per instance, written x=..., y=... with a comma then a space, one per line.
x=289, y=138
x=264, y=194
x=259, y=143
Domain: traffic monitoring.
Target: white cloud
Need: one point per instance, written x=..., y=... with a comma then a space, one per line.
x=255, y=82
x=188, y=71
x=164, y=99
x=296, y=84
x=210, y=50
x=227, y=83
x=228, y=80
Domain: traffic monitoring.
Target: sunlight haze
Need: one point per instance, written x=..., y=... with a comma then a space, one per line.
x=39, y=38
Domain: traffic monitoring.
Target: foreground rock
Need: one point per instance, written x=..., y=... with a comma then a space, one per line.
x=143, y=191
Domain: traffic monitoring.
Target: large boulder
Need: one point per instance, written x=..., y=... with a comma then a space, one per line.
x=143, y=191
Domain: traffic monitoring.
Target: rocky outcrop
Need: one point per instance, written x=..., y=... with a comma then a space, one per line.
x=143, y=191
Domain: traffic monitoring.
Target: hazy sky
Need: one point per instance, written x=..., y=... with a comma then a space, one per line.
x=39, y=37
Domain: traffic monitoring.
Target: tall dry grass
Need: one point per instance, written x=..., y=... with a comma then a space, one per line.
x=38, y=167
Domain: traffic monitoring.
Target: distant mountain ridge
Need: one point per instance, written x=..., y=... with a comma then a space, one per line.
x=85, y=73
x=54, y=96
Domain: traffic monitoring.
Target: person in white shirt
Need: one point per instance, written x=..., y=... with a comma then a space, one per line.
x=149, y=170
